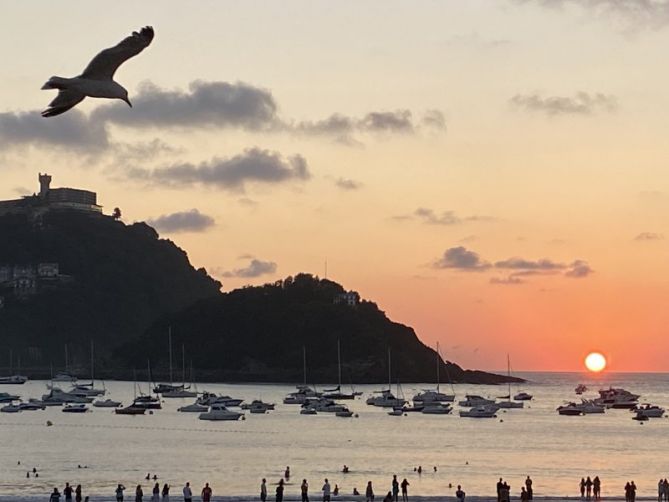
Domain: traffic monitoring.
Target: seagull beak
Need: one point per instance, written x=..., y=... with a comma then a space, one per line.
x=128, y=101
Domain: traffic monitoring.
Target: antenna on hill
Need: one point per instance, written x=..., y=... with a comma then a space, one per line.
x=326, y=269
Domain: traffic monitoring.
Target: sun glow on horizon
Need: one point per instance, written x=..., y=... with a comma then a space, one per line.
x=595, y=362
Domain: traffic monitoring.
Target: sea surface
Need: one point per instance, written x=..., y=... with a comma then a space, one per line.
x=233, y=456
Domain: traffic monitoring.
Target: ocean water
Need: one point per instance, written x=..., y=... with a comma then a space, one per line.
x=556, y=451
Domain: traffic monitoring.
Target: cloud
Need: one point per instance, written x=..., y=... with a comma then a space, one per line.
x=252, y=166
x=523, y=264
x=579, y=269
x=461, y=258
x=511, y=280
x=649, y=236
x=445, y=218
x=434, y=119
x=632, y=13
x=205, y=104
x=391, y=122
x=74, y=131
x=255, y=268
x=582, y=103
x=185, y=221
x=348, y=184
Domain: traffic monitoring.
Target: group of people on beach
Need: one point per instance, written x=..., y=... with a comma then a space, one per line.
x=590, y=488
x=157, y=494
x=663, y=490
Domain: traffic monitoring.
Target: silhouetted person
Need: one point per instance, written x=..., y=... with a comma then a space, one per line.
x=597, y=488
x=263, y=490
x=188, y=493
x=67, y=492
x=369, y=492
x=581, y=486
x=628, y=490
x=77, y=494
x=528, y=487
x=460, y=494
x=326, y=491
x=166, y=493
x=55, y=496
x=148, y=476
x=286, y=474
x=119, y=492
x=396, y=488
x=304, y=490
x=632, y=492
x=155, y=493
x=139, y=493
x=206, y=493
x=355, y=491
x=666, y=489
x=279, y=491
x=388, y=497
x=499, y=490
x=405, y=492
x=588, y=488
x=523, y=494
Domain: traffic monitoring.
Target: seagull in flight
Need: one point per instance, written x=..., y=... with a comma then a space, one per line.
x=97, y=80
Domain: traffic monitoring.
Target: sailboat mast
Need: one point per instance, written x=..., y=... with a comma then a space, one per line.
x=169, y=336
x=437, y=366
x=183, y=364
x=390, y=382
x=92, y=365
x=339, y=363
x=11, y=362
x=508, y=372
x=304, y=364
x=66, y=361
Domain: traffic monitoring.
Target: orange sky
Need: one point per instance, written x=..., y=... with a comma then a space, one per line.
x=491, y=173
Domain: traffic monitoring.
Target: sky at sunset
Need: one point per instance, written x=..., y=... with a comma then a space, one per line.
x=492, y=173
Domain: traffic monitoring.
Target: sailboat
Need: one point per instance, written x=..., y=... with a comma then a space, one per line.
x=64, y=376
x=88, y=389
x=147, y=401
x=182, y=391
x=430, y=396
x=304, y=393
x=134, y=408
x=508, y=403
x=385, y=398
x=13, y=379
x=168, y=387
x=336, y=393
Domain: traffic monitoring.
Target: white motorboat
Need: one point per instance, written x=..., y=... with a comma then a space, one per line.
x=650, y=411
x=10, y=408
x=325, y=405
x=107, y=403
x=589, y=407
x=484, y=411
x=570, y=409
x=436, y=409
x=75, y=408
x=617, y=398
x=209, y=399
x=220, y=412
x=194, y=408
x=522, y=396
x=6, y=397
x=13, y=380
x=472, y=400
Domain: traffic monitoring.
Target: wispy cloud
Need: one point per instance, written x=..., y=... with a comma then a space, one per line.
x=446, y=218
x=649, y=236
x=255, y=268
x=185, y=221
x=347, y=184
x=581, y=103
x=252, y=166
x=461, y=258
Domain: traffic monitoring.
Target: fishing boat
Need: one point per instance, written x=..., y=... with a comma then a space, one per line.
x=434, y=396
x=220, y=412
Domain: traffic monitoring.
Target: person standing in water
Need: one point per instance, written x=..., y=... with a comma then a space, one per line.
x=286, y=474
x=588, y=488
x=55, y=496
x=206, y=493
x=166, y=493
x=326, y=491
x=119, y=492
x=460, y=494
x=77, y=494
x=67, y=492
x=139, y=494
x=582, y=487
x=188, y=493
x=279, y=491
x=155, y=493
x=396, y=488
x=596, y=488
x=528, y=488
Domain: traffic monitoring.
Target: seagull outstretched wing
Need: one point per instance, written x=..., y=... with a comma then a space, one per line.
x=104, y=65
x=65, y=100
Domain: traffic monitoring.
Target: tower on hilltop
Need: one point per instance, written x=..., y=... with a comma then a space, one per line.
x=44, y=183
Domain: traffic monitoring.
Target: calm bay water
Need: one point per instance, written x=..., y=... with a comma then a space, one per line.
x=232, y=456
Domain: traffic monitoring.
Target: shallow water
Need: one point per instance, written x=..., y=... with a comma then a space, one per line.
x=232, y=456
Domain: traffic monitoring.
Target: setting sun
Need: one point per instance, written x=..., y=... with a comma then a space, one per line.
x=595, y=362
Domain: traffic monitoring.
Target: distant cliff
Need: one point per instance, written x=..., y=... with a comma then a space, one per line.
x=258, y=334
x=101, y=280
